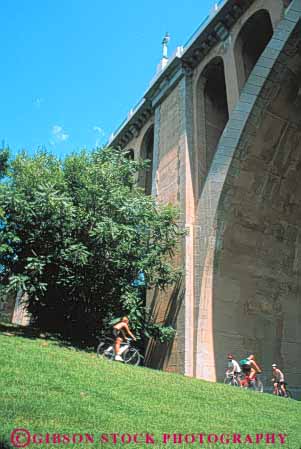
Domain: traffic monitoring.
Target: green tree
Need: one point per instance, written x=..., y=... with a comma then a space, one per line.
x=75, y=234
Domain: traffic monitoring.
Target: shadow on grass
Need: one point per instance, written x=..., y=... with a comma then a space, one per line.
x=34, y=332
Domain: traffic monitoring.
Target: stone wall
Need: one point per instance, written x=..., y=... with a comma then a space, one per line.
x=236, y=184
x=168, y=307
x=250, y=263
x=7, y=305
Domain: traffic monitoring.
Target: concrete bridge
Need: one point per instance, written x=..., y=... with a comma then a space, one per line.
x=221, y=124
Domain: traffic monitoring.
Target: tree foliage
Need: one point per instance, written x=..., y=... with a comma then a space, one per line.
x=74, y=235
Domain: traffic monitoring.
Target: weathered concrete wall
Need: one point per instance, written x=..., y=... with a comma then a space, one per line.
x=7, y=305
x=168, y=307
x=20, y=314
x=202, y=135
x=249, y=243
x=13, y=310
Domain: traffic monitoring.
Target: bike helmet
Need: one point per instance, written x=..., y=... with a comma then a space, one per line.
x=274, y=365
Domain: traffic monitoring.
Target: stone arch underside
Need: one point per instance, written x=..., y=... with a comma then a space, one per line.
x=250, y=239
x=216, y=106
x=212, y=114
x=146, y=153
x=250, y=43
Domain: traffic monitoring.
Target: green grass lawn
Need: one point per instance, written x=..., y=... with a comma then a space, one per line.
x=45, y=387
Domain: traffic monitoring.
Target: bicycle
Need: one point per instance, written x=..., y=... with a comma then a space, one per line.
x=128, y=353
x=279, y=392
x=255, y=384
x=233, y=379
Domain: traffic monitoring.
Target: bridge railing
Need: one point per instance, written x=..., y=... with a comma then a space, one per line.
x=178, y=53
x=129, y=115
x=204, y=23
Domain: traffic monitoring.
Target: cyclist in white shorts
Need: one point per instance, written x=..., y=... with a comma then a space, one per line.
x=278, y=378
x=121, y=331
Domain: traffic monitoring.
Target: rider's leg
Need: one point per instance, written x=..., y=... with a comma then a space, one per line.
x=283, y=389
x=252, y=379
x=252, y=374
x=275, y=388
x=243, y=380
x=117, y=345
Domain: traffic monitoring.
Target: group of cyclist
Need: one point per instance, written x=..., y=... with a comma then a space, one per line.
x=250, y=368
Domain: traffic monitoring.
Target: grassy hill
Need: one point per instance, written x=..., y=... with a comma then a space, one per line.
x=47, y=388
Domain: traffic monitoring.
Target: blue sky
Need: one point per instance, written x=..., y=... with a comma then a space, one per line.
x=72, y=69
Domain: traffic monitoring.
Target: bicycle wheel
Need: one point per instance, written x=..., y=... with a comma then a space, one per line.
x=258, y=386
x=279, y=392
x=289, y=394
x=105, y=349
x=233, y=381
x=131, y=356
x=228, y=380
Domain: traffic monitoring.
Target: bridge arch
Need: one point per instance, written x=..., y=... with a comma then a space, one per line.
x=251, y=238
x=211, y=113
x=147, y=153
x=250, y=43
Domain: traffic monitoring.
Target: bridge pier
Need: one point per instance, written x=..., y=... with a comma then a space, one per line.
x=227, y=145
